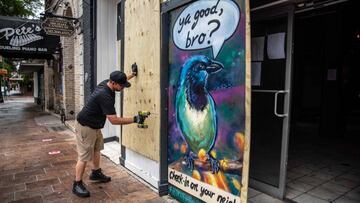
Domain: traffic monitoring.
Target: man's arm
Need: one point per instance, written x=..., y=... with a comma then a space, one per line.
x=134, y=70
x=131, y=76
x=119, y=120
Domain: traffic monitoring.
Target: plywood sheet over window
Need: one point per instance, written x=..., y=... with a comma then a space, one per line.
x=142, y=45
x=208, y=101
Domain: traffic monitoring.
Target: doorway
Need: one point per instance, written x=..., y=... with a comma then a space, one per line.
x=323, y=157
x=272, y=31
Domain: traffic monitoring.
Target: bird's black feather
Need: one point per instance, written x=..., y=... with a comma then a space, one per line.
x=196, y=92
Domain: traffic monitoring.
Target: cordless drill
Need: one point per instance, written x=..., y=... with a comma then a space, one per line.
x=144, y=114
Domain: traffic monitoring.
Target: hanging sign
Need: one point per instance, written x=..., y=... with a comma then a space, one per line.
x=24, y=36
x=208, y=92
x=58, y=27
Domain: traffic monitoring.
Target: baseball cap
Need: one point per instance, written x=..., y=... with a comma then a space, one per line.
x=120, y=78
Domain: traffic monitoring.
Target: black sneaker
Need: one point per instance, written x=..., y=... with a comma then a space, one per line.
x=80, y=190
x=99, y=176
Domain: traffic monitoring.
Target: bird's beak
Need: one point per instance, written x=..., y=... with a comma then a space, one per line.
x=214, y=67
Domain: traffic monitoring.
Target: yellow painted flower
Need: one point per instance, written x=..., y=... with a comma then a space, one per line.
x=196, y=175
x=213, y=153
x=221, y=181
x=202, y=155
x=210, y=179
x=224, y=163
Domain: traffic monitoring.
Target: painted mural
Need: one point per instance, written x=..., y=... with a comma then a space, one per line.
x=206, y=101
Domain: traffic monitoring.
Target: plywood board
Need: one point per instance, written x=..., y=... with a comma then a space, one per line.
x=142, y=45
x=246, y=159
x=209, y=95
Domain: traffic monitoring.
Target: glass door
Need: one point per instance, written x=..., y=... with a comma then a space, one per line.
x=271, y=75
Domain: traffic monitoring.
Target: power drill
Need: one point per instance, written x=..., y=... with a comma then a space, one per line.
x=145, y=114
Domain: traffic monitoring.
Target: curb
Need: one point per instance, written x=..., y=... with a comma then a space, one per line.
x=52, y=113
x=72, y=128
x=67, y=124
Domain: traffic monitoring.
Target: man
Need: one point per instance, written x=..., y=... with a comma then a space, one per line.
x=91, y=119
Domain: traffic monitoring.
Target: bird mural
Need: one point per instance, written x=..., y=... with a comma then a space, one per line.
x=195, y=109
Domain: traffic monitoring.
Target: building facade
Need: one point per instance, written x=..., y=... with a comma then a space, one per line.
x=64, y=75
x=295, y=89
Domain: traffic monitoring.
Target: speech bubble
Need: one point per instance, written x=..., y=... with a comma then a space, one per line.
x=206, y=23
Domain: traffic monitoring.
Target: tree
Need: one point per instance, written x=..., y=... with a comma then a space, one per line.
x=20, y=8
x=7, y=64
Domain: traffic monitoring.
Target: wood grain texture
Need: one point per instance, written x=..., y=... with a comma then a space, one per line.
x=246, y=158
x=142, y=45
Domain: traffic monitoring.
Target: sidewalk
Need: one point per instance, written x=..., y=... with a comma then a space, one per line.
x=28, y=173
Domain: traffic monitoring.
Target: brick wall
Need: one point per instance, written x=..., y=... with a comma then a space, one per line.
x=68, y=79
x=73, y=64
x=78, y=73
x=78, y=59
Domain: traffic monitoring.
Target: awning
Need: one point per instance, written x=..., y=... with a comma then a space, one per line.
x=30, y=68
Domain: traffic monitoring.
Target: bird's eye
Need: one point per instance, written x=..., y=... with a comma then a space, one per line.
x=202, y=66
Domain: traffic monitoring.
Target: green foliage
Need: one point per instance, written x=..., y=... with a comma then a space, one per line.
x=8, y=66
x=20, y=8
x=26, y=79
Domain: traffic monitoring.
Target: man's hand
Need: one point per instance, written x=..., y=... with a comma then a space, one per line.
x=139, y=119
x=134, y=69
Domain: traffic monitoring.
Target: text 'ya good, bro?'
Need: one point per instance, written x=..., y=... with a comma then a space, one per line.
x=206, y=24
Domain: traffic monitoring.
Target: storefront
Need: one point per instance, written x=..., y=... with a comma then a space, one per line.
x=295, y=94
x=25, y=39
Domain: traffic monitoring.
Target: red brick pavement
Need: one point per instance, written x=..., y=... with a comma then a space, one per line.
x=29, y=174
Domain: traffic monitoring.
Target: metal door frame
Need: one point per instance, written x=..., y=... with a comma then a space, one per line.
x=279, y=192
